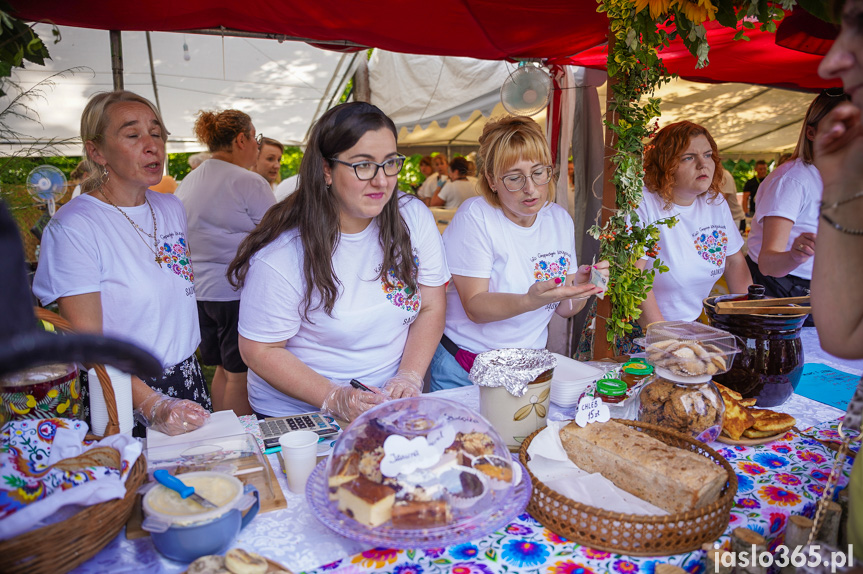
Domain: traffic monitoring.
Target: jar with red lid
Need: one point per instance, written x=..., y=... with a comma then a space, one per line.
x=610, y=390
x=633, y=372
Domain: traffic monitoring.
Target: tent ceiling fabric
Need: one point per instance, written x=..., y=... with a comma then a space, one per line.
x=567, y=31
x=419, y=93
x=486, y=29
x=280, y=85
x=418, y=90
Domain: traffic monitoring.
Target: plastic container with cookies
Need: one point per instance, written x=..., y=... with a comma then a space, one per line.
x=418, y=472
x=680, y=395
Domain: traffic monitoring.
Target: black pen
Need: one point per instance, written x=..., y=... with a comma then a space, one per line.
x=358, y=385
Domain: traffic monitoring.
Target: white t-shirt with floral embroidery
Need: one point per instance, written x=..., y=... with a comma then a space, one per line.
x=695, y=251
x=365, y=337
x=90, y=247
x=481, y=242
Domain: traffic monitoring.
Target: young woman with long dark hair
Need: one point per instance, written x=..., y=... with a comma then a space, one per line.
x=342, y=280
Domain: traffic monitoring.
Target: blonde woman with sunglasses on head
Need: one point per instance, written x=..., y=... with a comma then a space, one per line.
x=511, y=252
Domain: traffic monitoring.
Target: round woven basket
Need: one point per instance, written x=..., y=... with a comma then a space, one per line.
x=633, y=534
x=62, y=546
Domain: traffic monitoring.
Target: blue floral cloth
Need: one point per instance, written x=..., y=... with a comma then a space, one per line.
x=784, y=477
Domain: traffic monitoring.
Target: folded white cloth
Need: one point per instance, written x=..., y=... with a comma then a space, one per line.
x=33, y=493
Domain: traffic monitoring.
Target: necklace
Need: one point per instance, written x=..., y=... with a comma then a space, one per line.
x=141, y=232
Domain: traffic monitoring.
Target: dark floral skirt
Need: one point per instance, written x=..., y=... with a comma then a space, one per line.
x=181, y=381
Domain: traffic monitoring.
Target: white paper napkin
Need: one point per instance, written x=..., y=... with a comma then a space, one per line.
x=550, y=464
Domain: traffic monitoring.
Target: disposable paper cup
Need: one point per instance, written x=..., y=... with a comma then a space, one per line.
x=299, y=455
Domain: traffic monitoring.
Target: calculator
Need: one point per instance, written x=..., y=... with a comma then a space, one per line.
x=274, y=427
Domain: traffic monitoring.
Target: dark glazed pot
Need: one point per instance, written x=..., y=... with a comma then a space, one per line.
x=770, y=361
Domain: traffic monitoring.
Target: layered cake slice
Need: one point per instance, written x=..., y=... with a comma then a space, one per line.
x=365, y=501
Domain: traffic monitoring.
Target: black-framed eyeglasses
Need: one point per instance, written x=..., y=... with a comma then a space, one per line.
x=539, y=176
x=366, y=170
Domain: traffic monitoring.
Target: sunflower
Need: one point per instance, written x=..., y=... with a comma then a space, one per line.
x=657, y=7
x=697, y=11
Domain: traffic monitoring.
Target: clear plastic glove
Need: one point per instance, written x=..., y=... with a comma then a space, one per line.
x=347, y=403
x=404, y=384
x=169, y=415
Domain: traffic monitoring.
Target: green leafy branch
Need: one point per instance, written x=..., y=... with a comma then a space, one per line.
x=639, y=29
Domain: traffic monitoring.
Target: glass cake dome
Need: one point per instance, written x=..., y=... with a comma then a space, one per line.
x=418, y=472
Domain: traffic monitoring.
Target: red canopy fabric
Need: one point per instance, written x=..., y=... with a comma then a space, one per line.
x=758, y=61
x=563, y=31
x=485, y=29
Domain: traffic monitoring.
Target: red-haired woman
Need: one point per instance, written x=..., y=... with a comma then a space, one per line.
x=682, y=177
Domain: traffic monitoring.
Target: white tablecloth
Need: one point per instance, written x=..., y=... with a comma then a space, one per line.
x=295, y=538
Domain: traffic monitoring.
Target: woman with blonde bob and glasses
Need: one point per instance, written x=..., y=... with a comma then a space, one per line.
x=343, y=279
x=511, y=252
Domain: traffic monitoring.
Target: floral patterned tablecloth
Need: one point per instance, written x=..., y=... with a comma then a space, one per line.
x=776, y=480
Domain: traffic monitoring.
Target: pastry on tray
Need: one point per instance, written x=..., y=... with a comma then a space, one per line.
x=408, y=469
x=744, y=422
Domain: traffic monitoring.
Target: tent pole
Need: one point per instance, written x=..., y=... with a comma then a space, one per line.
x=601, y=348
x=116, y=59
x=153, y=72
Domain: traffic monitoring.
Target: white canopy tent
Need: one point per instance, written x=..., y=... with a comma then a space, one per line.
x=282, y=86
x=437, y=102
x=444, y=102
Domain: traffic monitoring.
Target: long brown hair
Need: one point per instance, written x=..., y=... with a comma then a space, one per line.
x=314, y=211
x=662, y=158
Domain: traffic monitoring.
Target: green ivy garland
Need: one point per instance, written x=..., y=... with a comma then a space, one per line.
x=638, y=30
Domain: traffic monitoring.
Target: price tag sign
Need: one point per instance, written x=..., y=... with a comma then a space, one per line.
x=591, y=410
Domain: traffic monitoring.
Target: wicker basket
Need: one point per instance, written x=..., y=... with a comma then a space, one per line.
x=62, y=546
x=632, y=534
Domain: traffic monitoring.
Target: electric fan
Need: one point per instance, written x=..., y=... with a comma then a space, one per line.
x=526, y=91
x=46, y=185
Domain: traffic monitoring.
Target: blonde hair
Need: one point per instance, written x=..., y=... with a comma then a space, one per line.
x=504, y=142
x=820, y=107
x=95, y=119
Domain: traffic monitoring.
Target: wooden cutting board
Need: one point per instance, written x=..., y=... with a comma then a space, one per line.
x=270, y=501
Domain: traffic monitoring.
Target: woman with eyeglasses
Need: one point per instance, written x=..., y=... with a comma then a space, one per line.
x=342, y=280
x=224, y=201
x=783, y=234
x=682, y=179
x=511, y=252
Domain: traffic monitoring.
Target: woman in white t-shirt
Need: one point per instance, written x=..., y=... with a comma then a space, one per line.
x=683, y=177
x=429, y=185
x=115, y=259
x=342, y=280
x=457, y=189
x=224, y=201
x=782, y=238
x=511, y=252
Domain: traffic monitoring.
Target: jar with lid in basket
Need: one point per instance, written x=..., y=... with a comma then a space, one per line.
x=681, y=395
